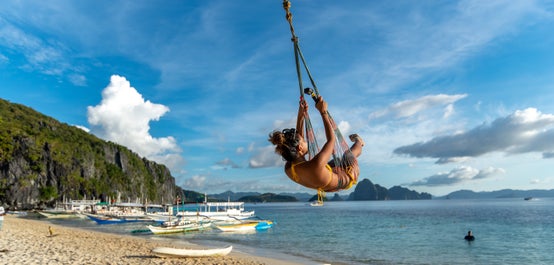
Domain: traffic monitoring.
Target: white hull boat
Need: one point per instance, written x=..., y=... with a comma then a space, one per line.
x=166, y=252
x=220, y=211
x=158, y=230
x=245, y=226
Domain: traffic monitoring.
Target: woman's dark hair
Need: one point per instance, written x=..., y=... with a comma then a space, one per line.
x=285, y=143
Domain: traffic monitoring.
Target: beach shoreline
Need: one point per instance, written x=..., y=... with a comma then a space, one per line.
x=28, y=241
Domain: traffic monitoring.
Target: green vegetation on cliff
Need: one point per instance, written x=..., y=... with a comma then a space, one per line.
x=43, y=160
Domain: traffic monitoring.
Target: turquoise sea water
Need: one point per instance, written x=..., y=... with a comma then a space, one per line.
x=507, y=231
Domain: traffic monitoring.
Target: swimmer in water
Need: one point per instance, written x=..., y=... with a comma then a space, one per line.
x=469, y=236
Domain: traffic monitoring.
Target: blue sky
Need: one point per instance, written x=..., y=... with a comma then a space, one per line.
x=447, y=95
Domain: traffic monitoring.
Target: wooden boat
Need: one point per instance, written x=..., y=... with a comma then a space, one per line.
x=316, y=203
x=319, y=201
x=245, y=226
x=160, y=213
x=160, y=217
x=222, y=211
x=107, y=219
x=68, y=209
x=166, y=252
x=180, y=227
x=52, y=214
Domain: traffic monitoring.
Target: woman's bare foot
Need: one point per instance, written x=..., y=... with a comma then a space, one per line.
x=356, y=138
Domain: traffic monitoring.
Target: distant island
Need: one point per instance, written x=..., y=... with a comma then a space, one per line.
x=369, y=192
x=499, y=194
x=268, y=197
x=365, y=190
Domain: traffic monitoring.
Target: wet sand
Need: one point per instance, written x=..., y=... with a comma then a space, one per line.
x=28, y=241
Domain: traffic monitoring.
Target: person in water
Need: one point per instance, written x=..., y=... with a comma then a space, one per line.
x=469, y=236
x=317, y=173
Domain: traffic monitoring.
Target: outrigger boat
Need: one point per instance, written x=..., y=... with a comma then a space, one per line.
x=53, y=214
x=219, y=211
x=181, y=226
x=109, y=219
x=119, y=213
x=70, y=209
x=245, y=226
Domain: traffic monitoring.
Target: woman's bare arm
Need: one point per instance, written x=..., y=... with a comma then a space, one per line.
x=302, y=110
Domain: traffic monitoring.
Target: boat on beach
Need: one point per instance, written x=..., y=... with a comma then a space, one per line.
x=160, y=213
x=166, y=252
x=219, y=211
x=69, y=209
x=244, y=226
x=180, y=226
x=110, y=219
x=160, y=230
x=104, y=213
x=161, y=217
x=53, y=214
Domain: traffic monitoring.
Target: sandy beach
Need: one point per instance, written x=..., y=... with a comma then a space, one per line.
x=28, y=241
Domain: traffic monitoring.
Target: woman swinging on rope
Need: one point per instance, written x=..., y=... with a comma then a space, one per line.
x=317, y=173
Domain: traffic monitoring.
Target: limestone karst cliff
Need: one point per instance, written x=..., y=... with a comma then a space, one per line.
x=43, y=160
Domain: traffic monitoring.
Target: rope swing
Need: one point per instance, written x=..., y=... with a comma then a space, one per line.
x=341, y=149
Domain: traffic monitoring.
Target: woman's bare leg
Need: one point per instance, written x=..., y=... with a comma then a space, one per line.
x=356, y=148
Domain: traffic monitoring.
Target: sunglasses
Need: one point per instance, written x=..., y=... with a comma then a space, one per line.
x=290, y=135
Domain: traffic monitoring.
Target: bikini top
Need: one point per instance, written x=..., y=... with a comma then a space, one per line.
x=294, y=176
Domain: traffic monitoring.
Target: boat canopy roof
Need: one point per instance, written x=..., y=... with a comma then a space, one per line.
x=129, y=204
x=225, y=204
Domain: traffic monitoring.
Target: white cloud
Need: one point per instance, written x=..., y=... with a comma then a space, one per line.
x=77, y=79
x=239, y=150
x=409, y=108
x=457, y=175
x=488, y=172
x=227, y=163
x=344, y=128
x=82, y=128
x=266, y=157
x=3, y=59
x=446, y=160
x=535, y=181
x=523, y=131
x=195, y=182
x=174, y=161
x=448, y=111
x=542, y=182
x=211, y=182
x=123, y=116
x=46, y=57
